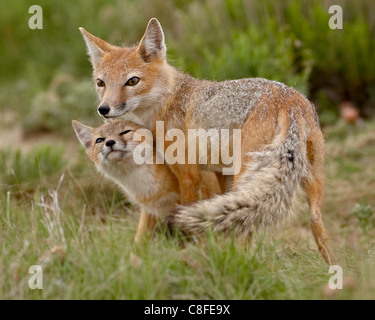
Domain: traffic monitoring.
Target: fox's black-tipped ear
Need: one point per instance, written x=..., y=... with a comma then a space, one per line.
x=96, y=47
x=152, y=43
x=84, y=133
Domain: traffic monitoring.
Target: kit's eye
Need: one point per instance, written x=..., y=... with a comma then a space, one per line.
x=132, y=81
x=125, y=132
x=99, y=140
x=100, y=83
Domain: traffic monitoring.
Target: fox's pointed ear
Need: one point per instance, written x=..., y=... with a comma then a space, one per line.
x=96, y=47
x=152, y=43
x=84, y=133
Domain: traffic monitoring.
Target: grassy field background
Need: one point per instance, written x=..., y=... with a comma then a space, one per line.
x=55, y=211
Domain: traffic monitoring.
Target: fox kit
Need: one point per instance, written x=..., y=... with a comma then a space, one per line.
x=153, y=187
x=282, y=145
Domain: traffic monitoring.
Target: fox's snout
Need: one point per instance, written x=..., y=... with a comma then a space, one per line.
x=114, y=149
x=107, y=110
x=110, y=143
x=104, y=109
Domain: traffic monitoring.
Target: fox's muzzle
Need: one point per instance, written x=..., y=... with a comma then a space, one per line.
x=103, y=110
x=116, y=111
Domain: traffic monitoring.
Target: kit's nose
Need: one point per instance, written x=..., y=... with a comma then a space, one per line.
x=110, y=143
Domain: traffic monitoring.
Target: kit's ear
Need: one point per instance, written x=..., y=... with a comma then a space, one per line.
x=152, y=43
x=96, y=47
x=84, y=133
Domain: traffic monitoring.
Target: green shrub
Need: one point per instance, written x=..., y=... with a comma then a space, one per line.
x=40, y=163
x=365, y=217
x=54, y=109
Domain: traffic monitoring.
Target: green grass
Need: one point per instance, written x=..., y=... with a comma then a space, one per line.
x=98, y=260
x=80, y=229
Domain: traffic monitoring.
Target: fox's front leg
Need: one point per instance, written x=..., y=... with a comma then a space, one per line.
x=189, y=182
x=146, y=225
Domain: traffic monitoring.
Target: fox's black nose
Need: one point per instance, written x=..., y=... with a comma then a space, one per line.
x=110, y=143
x=103, y=110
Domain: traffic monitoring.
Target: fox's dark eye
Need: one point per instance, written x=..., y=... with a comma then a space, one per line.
x=100, y=83
x=99, y=140
x=132, y=81
x=125, y=132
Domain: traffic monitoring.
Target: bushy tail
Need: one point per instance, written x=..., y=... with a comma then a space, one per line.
x=263, y=196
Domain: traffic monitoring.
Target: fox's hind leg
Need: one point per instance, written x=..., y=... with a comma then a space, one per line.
x=314, y=191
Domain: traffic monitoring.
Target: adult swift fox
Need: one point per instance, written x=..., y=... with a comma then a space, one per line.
x=282, y=146
x=153, y=187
